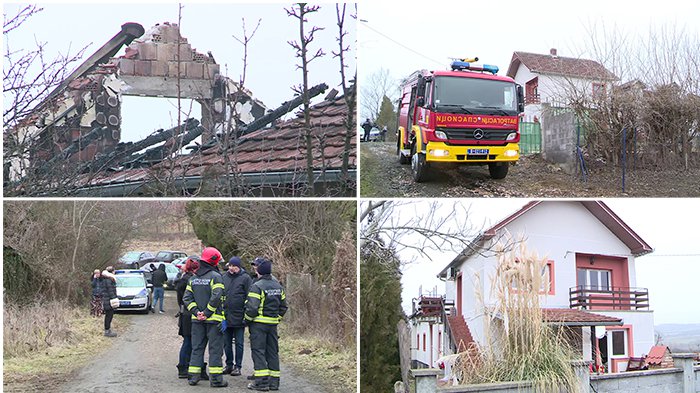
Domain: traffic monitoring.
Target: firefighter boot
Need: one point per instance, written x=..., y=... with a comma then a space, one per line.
x=218, y=381
x=182, y=371
x=204, y=375
x=193, y=379
x=274, y=383
x=110, y=333
x=260, y=384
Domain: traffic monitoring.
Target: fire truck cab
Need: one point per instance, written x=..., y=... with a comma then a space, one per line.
x=467, y=115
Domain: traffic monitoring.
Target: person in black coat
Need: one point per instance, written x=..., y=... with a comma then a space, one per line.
x=185, y=321
x=159, y=278
x=236, y=284
x=108, y=283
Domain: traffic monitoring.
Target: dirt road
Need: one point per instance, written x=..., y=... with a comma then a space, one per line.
x=143, y=359
x=382, y=176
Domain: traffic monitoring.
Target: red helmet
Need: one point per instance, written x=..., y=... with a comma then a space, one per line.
x=211, y=256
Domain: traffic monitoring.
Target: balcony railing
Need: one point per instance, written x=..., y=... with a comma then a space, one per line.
x=532, y=99
x=615, y=298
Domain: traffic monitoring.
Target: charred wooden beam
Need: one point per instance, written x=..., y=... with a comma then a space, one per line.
x=159, y=153
x=79, y=144
x=126, y=149
x=283, y=109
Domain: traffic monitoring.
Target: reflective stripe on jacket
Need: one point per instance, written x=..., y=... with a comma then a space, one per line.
x=204, y=292
x=266, y=301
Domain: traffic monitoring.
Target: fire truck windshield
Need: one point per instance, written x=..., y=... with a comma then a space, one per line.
x=472, y=95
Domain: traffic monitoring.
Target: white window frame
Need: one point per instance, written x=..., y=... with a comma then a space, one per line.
x=610, y=344
x=598, y=272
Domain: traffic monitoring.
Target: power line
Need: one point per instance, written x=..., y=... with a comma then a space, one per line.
x=400, y=44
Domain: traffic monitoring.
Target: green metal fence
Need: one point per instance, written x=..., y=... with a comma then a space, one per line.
x=530, y=138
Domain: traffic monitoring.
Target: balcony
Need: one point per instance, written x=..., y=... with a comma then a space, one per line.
x=614, y=298
x=532, y=99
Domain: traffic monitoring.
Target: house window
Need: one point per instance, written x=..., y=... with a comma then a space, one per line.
x=598, y=280
x=598, y=90
x=417, y=341
x=423, y=342
x=619, y=343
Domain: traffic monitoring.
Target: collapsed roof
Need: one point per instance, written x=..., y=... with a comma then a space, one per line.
x=80, y=121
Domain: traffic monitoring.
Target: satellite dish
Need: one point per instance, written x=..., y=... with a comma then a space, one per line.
x=600, y=332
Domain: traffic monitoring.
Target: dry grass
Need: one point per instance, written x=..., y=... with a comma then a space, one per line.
x=519, y=345
x=322, y=360
x=45, y=343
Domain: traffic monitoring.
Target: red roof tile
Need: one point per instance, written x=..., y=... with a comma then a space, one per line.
x=656, y=354
x=557, y=65
x=568, y=316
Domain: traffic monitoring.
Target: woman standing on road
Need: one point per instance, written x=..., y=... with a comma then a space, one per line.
x=96, y=303
x=185, y=321
x=109, y=291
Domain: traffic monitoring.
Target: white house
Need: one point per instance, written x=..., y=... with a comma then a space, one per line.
x=427, y=331
x=591, y=270
x=550, y=79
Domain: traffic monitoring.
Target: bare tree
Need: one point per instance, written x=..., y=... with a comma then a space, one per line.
x=421, y=228
x=349, y=94
x=651, y=111
x=377, y=85
x=302, y=49
x=29, y=76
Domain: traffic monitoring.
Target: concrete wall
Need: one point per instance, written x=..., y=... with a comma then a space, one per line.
x=656, y=381
x=559, y=138
x=685, y=378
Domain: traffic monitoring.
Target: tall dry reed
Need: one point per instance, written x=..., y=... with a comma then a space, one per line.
x=518, y=344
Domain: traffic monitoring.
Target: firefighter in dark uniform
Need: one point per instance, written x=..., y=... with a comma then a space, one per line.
x=203, y=298
x=264, y=309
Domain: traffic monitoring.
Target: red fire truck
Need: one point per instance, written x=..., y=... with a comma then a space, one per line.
x=467, y=115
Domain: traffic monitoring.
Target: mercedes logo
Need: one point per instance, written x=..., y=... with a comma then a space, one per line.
x=478, y=133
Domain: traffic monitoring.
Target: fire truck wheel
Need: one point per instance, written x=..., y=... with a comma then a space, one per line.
x=498, y=170
x=419, y=167
x=403, y=160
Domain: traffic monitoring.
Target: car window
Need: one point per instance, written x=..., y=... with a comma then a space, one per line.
x=170, y=269
x=180, y=255
x=130, y=281
x=162, y=254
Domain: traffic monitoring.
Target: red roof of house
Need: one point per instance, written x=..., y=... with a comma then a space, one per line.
x=573, y=317
x=558, y=65
x=656, y=354
x=598, y=209
x=601, y=211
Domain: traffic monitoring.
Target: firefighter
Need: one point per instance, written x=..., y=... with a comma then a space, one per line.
x=265, y=307
x=203, y=298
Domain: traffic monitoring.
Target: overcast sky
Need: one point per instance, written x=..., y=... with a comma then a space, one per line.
x=271, y=60
x=670, y=272
x=424, y=35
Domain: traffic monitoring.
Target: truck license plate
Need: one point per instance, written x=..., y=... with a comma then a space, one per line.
x=124, y=303
x=477, y=151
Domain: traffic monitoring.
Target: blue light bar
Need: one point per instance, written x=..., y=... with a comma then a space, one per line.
x=490, y=68
x=459, y=65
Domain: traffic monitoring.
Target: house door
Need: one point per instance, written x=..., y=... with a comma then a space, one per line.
x=458, y=301
x=615, y=349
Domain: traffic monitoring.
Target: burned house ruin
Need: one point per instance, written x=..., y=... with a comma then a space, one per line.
x=75, y=132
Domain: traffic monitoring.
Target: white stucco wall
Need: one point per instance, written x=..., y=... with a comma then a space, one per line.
x=642, y=328
x=438, y=340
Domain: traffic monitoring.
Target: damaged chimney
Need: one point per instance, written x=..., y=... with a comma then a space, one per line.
x=553, y=52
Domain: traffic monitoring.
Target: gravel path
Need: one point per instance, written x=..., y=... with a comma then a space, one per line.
x=143, y=359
